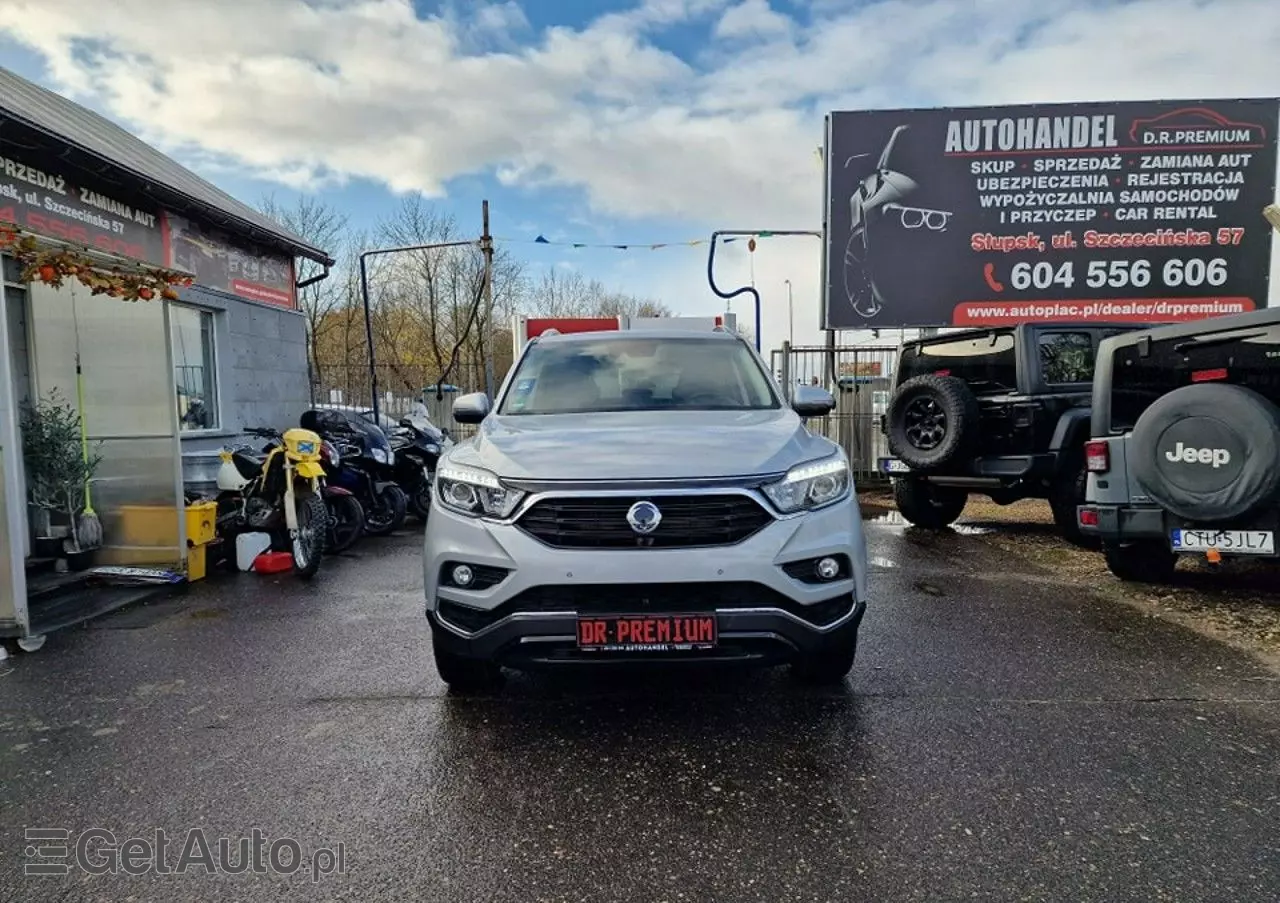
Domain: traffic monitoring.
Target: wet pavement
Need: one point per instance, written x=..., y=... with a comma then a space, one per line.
x=1004, y=736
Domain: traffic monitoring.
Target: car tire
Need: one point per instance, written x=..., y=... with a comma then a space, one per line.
x=466, y=676
x=1065, y=496
x=1140, y=562
x=933, y=421
x=926, y=505
x=1213, y=419
x=829, y=666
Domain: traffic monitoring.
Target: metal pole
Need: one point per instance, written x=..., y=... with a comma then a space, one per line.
x=486, y=247
x=368, y=334
x=791, y=316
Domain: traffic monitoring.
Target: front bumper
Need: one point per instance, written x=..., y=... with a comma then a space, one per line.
x=533, y=593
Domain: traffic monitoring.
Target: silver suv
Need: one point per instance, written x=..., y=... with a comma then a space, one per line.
x=643, y=497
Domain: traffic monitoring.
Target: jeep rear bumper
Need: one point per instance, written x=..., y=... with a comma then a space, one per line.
x=995, y=472
x=1120, y=524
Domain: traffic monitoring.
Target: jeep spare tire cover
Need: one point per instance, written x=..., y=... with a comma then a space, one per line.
x=1209, y=452
x=932, y=421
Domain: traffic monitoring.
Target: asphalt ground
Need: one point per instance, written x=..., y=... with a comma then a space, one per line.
x=1006, y=735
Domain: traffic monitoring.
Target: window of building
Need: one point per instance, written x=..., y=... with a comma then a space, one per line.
x=1066, y=357
x=194, y=368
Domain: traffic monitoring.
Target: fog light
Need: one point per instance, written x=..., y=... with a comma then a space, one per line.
x=462, y=575
x=827, y=568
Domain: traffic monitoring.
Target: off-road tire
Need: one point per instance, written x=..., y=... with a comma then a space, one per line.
x=467, y=676
x=1140, y=562
x=926, y=505
x=313, y=507
x=1066, y=495
x=828, y=667
x=952, y=408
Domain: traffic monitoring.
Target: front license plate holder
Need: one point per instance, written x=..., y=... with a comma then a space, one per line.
x=647, y=632
x=893, y=465
x=1228, y=542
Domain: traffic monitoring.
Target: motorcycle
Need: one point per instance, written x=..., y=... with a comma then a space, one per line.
x=365, y=467
x=418, y=444
x=346, y=517
x=279, y=494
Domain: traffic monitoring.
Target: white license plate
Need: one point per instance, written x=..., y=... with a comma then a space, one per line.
x=893, y=465
x=1234, y=542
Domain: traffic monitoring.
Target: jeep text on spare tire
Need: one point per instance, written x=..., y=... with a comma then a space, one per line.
x=1185, y=455
x=1003, y=412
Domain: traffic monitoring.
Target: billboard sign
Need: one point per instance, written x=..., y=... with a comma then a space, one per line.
x=40, y=193
x=1127, y=211
x=223, y=263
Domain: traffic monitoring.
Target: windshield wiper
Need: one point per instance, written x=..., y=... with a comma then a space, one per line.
x=1220, y=340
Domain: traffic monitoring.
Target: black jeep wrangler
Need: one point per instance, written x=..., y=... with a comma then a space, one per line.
x=1185, y=453
x=1001, y=411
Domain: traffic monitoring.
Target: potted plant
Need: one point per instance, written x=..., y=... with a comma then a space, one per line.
x=58, y=471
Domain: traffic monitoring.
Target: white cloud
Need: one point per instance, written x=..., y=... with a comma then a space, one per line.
x=311, y=93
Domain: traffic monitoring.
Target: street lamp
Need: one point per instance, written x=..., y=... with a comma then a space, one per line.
x=791, y=317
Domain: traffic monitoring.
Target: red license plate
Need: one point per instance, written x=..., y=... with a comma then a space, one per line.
x=647, y=633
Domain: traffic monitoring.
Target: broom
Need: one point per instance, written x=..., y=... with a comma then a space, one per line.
x=88, y=528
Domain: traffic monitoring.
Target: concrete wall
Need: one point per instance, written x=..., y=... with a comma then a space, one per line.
x=262, y=376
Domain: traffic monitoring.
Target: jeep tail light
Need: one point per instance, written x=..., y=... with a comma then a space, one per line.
x=1206, y=376
x=1097, y=458
x=1088, y=517
x=941, y=372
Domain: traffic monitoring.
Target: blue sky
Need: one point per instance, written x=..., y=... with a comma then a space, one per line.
x=601, y=121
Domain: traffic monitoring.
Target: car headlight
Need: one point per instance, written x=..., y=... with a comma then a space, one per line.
x=469, y=490
x=810, y=486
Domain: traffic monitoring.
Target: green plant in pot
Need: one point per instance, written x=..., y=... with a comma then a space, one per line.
x=59, y=467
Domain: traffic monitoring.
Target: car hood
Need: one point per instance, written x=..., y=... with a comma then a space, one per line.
x=641, y=445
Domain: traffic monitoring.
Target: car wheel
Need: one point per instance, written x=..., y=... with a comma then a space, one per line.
x=1140, y=562
x=466, y=676
x=1065, y=497
x=933, y=420
x=928, y=506
x=829, y=666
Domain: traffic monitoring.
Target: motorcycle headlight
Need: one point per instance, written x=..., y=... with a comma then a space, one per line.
x=431, y=448
x=380, y=455
x=469, y=490
x=810, y=486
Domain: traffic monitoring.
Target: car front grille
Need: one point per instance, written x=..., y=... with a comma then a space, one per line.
x=688, y=521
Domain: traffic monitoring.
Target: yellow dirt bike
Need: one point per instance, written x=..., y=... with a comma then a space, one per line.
x=278, y=493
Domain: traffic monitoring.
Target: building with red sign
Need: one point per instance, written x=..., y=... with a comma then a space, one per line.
x=164, y=303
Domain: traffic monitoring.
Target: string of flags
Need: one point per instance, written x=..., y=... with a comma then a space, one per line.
x=639, y=246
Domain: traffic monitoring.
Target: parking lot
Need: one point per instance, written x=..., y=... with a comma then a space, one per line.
x=1007, y=734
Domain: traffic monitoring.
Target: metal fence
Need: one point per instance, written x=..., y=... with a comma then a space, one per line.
x=861, y=378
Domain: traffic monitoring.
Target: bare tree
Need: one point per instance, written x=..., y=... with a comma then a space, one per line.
x=561, y=293
x=324, y=227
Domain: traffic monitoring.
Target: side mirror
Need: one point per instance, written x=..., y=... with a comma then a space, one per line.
x=471, y=408
x=812, y=401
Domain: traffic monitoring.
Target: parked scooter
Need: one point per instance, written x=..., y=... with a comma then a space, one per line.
x=278, y=495
x=346, y=516
x=418, y=444
x=366, y=467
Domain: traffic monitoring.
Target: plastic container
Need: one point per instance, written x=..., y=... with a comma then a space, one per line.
x=273, y=562
x=248, y=547
x=202, y=520
x=197, y=562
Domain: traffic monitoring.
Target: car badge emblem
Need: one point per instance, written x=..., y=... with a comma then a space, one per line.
x=644, y=517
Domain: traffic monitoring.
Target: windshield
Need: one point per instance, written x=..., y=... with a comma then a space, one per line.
x=638, y=374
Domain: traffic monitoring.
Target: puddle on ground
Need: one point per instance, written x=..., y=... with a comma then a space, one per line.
x=895, y=519
x=878, y=562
